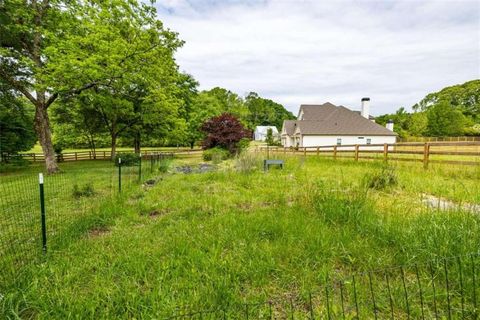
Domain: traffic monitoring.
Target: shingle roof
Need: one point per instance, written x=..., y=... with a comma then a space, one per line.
x=327, y=119
x=289, y=126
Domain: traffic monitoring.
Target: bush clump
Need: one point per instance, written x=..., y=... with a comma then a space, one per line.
x=216, y=154
x=128, y=159
x=387, y=177
x=85, y=191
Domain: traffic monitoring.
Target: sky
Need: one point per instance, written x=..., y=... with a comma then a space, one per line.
x=309, y=52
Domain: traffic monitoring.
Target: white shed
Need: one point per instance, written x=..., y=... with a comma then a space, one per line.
x=261, y=132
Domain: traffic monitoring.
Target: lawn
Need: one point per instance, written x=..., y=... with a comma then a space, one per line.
x=211, y=240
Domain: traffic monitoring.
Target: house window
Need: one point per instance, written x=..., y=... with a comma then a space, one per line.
x=339, y=141
x=361, y=138
x=369, y=141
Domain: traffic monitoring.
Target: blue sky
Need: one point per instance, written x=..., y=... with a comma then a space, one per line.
x=295, y=52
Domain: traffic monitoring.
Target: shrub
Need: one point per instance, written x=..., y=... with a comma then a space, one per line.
x=224, y=131
x=86, y=191
x=128, y=159
x=215, y=154
x=387, y=177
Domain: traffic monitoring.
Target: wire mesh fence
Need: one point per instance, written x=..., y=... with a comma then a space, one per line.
x=69, y=198
x=444, y=288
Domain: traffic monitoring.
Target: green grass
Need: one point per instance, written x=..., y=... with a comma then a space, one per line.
x=206, y=240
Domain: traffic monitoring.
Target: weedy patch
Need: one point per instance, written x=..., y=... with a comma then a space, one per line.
x=85, y=191
x=386, y=178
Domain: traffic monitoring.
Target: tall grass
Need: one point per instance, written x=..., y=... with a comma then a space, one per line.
x=224, y=238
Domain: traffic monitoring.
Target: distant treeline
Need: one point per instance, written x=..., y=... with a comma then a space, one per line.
x=452, y=111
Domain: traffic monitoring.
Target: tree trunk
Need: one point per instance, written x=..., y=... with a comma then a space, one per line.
x=114, y=146
x=136, y=142
x=42, y=127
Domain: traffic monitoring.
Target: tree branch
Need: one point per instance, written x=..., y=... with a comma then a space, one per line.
x=17, y=85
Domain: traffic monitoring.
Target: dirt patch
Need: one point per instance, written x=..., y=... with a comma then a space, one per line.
x=442, y=204
x=158, y=213
x=98, y=232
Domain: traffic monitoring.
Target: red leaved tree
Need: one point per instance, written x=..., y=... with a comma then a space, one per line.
x=224, y=131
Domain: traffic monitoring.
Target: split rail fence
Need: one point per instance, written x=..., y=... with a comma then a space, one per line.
x=99, y=155
x=456, y=153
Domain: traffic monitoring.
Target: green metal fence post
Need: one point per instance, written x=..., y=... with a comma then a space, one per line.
x=140, y=168
x=151, y=162
x=42, y=210
x=120, y=175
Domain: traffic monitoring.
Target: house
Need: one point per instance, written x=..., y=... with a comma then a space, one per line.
x=328, y=125
x=260, y=133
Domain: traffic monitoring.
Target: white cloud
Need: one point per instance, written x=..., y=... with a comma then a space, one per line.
x=297, y=52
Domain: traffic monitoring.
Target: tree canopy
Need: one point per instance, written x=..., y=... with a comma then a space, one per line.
x=51, y=49
x=452, y=111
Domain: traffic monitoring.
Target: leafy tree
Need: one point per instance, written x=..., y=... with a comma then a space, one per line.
x=443, y=120
x=464, y=97
x=269, y=138
x=16, y=123
x=77, y=123
x=224, y=131
x=399, y=118
x=265, y=112
x=417, y=124
x=204, y=106
x=251, y=112
x=51, y=49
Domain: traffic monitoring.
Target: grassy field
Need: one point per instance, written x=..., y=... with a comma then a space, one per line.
x=199, y=241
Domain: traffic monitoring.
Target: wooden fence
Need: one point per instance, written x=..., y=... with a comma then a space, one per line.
x=460, y=153
x=440, y=139
x=101, y=155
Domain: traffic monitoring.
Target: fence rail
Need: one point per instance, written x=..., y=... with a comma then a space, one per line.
x=461, y=153
x=435, y=139
x=97, y=155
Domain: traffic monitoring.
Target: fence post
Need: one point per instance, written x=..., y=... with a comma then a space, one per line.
x=104, y=155
x=385, y=152
x=334, y=152
x=89, y=155
x=426, y=155
x=304, y=151
x=42, y=211
x=140, y=168
x=318, y=151
x=268, y=153
x=356, y=152
x=34, y=159
x=120, y=175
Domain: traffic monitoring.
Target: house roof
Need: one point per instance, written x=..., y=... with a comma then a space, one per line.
x=328, y=119
x=289, y=126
